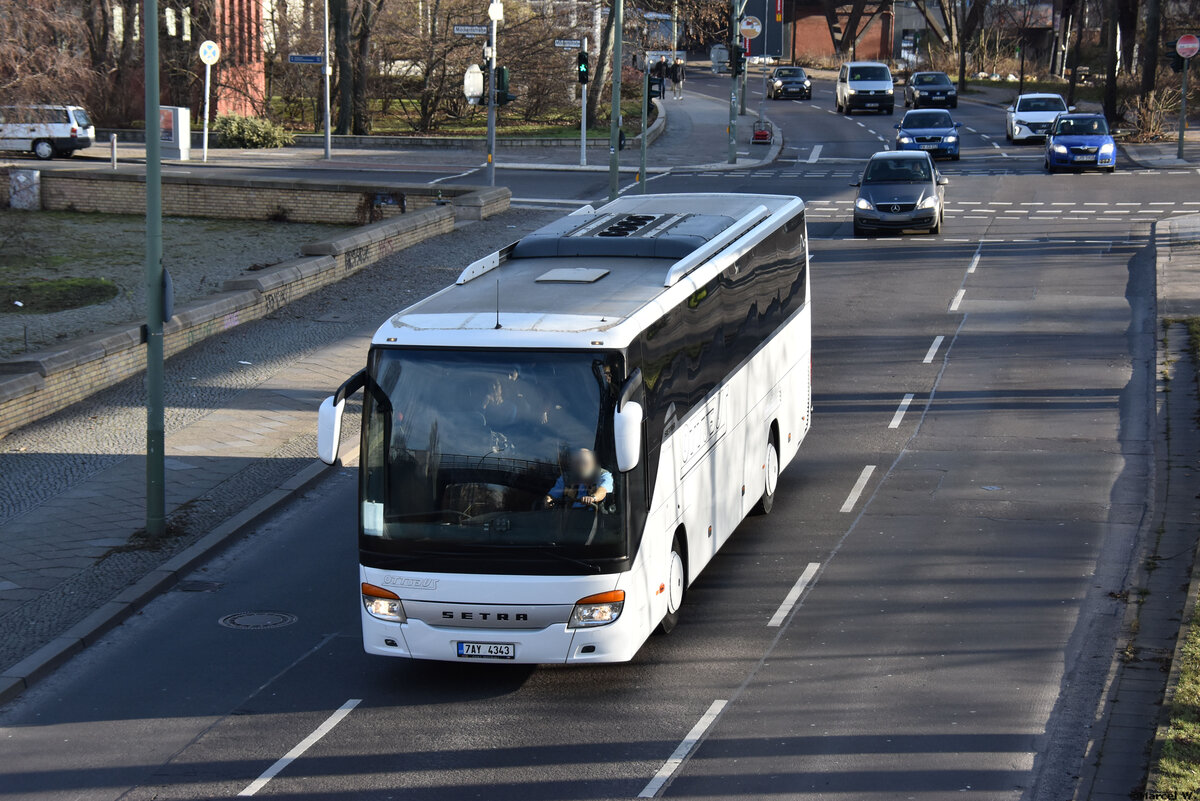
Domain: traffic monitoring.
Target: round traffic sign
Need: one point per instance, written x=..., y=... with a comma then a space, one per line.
x=210, y=52
x=751, y=27
x=1187, y=46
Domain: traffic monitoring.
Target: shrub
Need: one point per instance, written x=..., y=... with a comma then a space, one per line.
x=249, y=133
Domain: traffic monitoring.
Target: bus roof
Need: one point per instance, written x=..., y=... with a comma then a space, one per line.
x=594, y=278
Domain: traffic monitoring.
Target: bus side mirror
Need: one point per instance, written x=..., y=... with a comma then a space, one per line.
x=627, y=431
x=329, y=429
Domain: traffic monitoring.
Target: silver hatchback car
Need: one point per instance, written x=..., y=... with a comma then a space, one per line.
x=899, y=191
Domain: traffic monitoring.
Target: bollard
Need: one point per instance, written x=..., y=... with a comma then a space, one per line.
x=112, y=149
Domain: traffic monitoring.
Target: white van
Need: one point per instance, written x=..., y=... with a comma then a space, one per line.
x=45, y=131
x=865, y=85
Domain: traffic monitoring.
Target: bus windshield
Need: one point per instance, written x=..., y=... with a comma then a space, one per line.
x=501, y=456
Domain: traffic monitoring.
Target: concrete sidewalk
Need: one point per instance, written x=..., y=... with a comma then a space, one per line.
x=694, y=136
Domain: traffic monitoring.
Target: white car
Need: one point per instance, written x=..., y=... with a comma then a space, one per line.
x=1032, y=115
x=45, y=131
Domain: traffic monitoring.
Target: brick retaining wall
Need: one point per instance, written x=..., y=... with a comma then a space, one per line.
x=39, y=384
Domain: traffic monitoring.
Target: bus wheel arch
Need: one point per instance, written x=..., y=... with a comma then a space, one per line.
x=677, y=582
x=771, y=471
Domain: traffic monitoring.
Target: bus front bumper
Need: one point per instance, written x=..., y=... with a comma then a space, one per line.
x=555, y=644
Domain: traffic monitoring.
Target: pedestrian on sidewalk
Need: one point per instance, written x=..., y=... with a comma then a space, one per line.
x=660, y=68
x=678, y=74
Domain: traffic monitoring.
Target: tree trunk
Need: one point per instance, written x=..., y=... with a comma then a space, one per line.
x=1110, y=49
x=603, y=69
x=1150, y=46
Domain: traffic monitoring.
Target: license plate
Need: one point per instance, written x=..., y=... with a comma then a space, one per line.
x=487, y=650
x=929, y=147
x=1083, y=158
x=870, y=105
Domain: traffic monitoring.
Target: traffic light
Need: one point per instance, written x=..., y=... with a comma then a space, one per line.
x=582, y=66
x=737, y=59
x=502, y=95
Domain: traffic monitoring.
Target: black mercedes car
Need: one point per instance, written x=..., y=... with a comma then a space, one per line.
x=899, y=191
x=789, y=82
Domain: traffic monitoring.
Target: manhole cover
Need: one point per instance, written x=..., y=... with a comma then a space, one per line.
x=257, y=620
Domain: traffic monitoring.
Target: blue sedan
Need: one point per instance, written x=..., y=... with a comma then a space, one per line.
x=935, y=132
x=1080, y=141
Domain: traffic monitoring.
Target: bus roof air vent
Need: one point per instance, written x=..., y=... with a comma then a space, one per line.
x=649, y=236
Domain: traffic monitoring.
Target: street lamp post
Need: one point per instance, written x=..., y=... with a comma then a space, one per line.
x=614, y=128
x=495, y=15
x=156, y=502
x=327, y=68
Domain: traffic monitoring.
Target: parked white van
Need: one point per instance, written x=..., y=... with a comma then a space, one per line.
x=45, y=131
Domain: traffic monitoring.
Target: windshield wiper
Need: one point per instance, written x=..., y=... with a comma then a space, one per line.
x=543, y=550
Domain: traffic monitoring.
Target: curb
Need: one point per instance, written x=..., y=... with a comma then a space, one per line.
x=43, y=662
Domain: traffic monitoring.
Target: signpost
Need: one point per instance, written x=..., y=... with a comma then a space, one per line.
x=210, y=53
x=751, y=28
x=470, y=31
x=315, y=58
x=305, y=58
x=569, y=44
x=1186, y=46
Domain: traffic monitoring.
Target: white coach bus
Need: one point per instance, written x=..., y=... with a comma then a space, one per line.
x=556, y=445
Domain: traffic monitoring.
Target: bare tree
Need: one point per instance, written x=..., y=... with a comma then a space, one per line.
x=44, y=51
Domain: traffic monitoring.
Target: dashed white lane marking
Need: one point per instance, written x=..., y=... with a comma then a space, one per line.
x=793, y=595
x=958, y=298
x=933, y=349
x=900, y=410
x=305, y=744
x=857, y=489
x=861, y=125
x=985, y=136
x=676, y=759
x=995, y=145
x=975, y=260
x=972, y=130
x=815, y=154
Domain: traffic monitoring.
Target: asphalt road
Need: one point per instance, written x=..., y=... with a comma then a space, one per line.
x=969, y=496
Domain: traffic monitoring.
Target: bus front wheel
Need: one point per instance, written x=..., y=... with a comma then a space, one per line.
x=676, y=583
x=771, y=478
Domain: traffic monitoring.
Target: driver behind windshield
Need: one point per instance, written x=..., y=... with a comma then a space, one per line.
x=584, y=483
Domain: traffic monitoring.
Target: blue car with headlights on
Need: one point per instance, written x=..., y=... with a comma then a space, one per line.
x=934, y=132
x=1080, y=142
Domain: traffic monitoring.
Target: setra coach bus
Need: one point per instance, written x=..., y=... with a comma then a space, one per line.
x=554, y=447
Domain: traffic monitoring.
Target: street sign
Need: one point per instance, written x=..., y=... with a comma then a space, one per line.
x=470, y=30
x=473, y=84
x=569, y=44
x=1187, y=46
x=210, y=52
x=305, y=58
x=751, y=27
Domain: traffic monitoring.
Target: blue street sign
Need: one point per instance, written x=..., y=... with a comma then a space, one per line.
x=302, y=58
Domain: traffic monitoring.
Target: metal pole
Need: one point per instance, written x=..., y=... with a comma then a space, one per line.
x=614, y=128
x=583, y=117
x=735, y=12
x=327, y=68
x=745, y=73
x=1183, y=108
x=207, y=84
x=112, y=148
x=491, y=129
x=155, y=437
x=674, y=28
x=645, y=118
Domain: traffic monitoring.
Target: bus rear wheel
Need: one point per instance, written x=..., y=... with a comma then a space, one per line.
x=676, y=584
x=771, y=478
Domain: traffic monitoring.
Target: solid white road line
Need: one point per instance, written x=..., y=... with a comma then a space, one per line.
x=958, y=297
x=793, y=595
x=671, y=765
x=452, y=177
x=933, y=349
x=900, y=410
x=305, y=744
x=815, y=154
x=857, y=489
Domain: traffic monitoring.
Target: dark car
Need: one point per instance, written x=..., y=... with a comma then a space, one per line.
x=1080, y=141
x=789, y=82
x=930, y=89
x=931, y=130
x=899, y=191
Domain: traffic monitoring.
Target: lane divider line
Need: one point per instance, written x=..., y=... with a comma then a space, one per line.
x=900, y=410
x=793, y=595
x=305, y=744
x=958, y=298
x=857, y=489
x=815, y=154
x=975, y=260
x=933, y=349
x=676, y=759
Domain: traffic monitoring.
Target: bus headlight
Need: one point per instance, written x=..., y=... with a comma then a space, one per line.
x=383, y=604
x=597, y=610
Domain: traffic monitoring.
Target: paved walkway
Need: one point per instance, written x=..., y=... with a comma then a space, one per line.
x=695, y=135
